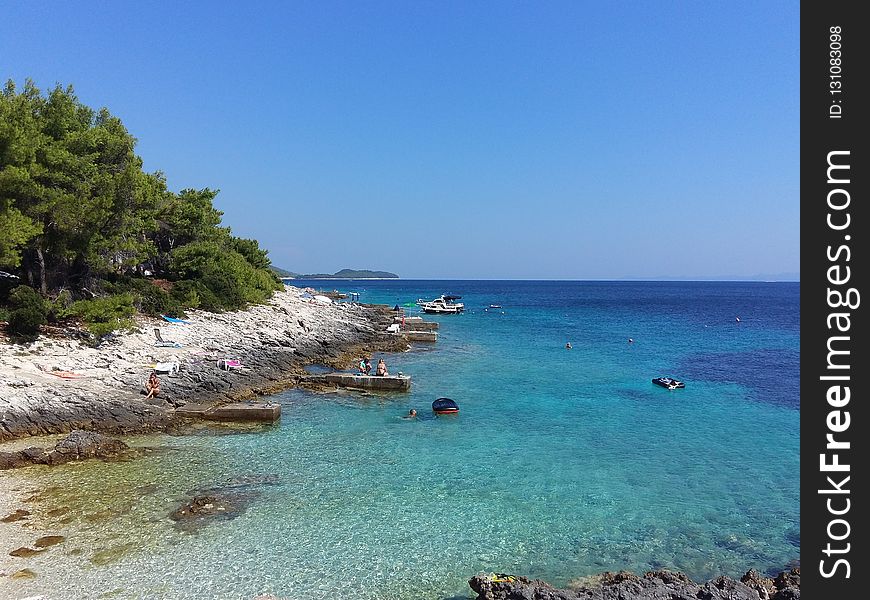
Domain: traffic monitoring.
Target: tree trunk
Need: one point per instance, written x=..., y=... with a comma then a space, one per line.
x=43, y=284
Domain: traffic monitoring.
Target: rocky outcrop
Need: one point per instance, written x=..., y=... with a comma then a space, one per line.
x=78, y=445
x=58, y=384
x=654, y=585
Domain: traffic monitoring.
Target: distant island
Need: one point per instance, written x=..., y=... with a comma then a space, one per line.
x=343, y=274
x=283, y=272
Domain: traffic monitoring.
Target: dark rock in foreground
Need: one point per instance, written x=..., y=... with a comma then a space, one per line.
x=224, y=502
x=654, y=585
x=78, y=445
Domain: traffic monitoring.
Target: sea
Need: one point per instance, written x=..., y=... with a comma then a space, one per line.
x=562, y=463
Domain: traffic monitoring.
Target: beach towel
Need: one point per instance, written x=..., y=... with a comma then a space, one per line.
x=229, y=363
x=174, y=320
x=67, y=374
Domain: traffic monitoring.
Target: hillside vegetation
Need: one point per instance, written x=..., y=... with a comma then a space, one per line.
x=95, y=235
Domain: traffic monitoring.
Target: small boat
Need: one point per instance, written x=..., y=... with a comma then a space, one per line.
x=444, y=305
x=668, y=382
x=493, y=307
x=445, y=406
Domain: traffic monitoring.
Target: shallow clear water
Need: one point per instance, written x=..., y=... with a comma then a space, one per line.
x=562, y=463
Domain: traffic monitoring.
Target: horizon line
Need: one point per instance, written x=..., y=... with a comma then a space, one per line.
x=633, y=279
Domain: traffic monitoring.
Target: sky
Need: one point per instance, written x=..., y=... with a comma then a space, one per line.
x=456, y=140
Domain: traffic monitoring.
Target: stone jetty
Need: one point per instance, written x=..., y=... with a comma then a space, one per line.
x=261, y=412
x=388, y=383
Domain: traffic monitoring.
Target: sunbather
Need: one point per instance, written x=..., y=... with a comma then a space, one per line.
x=152, y=386
x=382, y=368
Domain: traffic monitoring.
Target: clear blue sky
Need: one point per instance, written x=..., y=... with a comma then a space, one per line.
x=576, y=140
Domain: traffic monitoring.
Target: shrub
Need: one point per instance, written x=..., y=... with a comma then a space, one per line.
x=151, y=299
x=226, y=280
x=27, y=312
x=189, y=293
x=58, y=307
x=105, y=315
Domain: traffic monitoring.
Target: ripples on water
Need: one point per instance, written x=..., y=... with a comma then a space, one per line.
x=562, y=463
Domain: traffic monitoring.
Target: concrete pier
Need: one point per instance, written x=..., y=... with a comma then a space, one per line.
x=421, y=336
x=390, y=383
x=263, y=412
x=417, y=324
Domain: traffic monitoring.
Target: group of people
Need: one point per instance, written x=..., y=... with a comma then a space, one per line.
x=365, y=367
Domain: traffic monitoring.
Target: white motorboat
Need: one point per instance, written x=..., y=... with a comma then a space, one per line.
x=444, y=305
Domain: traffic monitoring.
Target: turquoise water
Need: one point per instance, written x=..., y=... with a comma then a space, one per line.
x=562, y=463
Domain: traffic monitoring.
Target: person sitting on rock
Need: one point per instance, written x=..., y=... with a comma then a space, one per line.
x=382, y=368
x=152, y=386
x=362, y=366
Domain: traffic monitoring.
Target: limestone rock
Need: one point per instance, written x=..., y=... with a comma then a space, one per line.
x=654, y=585
x=78, y=445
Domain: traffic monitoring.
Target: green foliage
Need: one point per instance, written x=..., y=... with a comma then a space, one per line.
x=226, y=280
x=59, y=307
x=77, y=211
x=27, y=312
x=188, y=294
x=15, y=230
x=69, y=177
x=150, y=298
x=250, y=249
x=105, y=315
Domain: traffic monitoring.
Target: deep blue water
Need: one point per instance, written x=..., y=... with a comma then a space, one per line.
x=562, y=463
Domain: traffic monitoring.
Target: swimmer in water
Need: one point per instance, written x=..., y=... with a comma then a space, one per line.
x=412, y=414
x=568, y=346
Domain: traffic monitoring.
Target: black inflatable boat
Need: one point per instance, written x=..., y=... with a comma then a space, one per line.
x=445, y=406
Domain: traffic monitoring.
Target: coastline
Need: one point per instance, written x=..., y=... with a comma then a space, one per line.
x=102, y=387
x=176, y=332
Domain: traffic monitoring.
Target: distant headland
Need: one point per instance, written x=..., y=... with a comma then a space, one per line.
x=342, y=274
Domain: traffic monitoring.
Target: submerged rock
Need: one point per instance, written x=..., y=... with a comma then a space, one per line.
x=24, y=552
x=224, y=502
x=654, y=585
x=49, y=540
x=23, y=574
x=202, y=510
x=19, y=515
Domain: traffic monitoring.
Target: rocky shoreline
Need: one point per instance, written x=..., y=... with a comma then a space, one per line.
x=653, y=585
x=58, y=383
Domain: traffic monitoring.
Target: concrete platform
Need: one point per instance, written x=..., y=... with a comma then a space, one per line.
x=420, y=326
x=421, y=336
x=417, y=324
x=390, y=383
x=261, y=412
